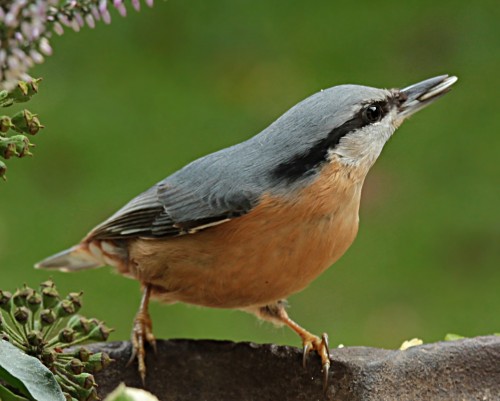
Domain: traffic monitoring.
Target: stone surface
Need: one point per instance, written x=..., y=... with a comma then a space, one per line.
x=188, y=370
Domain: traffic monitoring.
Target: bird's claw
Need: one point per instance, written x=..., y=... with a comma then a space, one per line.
x=320, y=345
x=305, y=352
x=142, y=332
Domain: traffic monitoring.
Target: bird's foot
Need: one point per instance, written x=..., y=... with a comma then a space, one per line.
x=310, y=343
x=276, y=312
x=142, y=332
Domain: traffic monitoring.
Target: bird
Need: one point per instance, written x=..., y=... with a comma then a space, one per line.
x=249, y=225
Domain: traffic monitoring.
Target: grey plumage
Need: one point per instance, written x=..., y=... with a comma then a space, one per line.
x=230, y=182
x=279, y=161
x=307, y=169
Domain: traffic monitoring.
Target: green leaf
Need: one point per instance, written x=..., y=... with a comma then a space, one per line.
x=453, y=337
x=124, y=393
x=7, y=395
x=13, y=381
x=37, y=380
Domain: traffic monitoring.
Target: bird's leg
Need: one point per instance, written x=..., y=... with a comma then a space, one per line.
x=142, y=331
x=310, y=342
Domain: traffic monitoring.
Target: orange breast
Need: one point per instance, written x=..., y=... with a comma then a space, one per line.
x=275, y=250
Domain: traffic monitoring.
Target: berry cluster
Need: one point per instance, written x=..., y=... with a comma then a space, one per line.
x=44, y=325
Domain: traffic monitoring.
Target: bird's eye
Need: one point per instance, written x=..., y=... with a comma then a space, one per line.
x=373, y=113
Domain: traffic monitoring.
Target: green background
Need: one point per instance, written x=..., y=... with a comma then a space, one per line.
x=127, y=104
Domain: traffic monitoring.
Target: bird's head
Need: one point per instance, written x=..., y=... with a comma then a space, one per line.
x=347, y=123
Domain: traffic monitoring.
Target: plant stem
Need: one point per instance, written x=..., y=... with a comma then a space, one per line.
x=13, y=334
x=15, y=324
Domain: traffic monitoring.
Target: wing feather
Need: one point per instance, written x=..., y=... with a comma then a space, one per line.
x=166, y=210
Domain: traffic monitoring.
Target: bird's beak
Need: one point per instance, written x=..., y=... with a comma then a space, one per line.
x=423, y=93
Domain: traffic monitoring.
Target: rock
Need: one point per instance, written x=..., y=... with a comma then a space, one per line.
x=198, y=370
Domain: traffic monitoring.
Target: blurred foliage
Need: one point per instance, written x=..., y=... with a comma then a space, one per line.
x=132, y=102
x=13, y=141
x=26, y=27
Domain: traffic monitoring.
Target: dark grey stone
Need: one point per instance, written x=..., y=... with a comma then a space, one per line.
x=189, y=370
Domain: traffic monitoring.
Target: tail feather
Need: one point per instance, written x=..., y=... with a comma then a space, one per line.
x=75, y=258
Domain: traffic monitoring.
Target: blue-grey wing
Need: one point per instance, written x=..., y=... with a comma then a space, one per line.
x=176, y=208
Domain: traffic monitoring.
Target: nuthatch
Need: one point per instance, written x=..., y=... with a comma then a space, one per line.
x=249, y=225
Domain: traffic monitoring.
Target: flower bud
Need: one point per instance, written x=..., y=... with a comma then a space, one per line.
x=34, y=125
x=48, y=357
x=34, y=301
x=75, y=366
x=18, y=299
x=35, y=338
x=26, y=122
x=21, y=315
x=50, y=297
x=22, y=145
x=76, y=299
x=7, y=148
x=99, y=333
x=97, y=362
x=67, y=335
x=34, y=84
x=82, y=353
x=47, y=317
x=20, y=296
x=5, y=297
x=23, y=88
x=20, y=93
x=93, y=323
x=65, y=308
x=79, y=324
x=19, y=120
x=86, y=380
x=5, y=123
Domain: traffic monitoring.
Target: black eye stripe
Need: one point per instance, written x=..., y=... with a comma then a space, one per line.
x=301, y=165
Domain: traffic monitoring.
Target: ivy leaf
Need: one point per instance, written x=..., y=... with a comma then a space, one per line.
x=7, y=395
x=123, y=393
x=28, y=374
